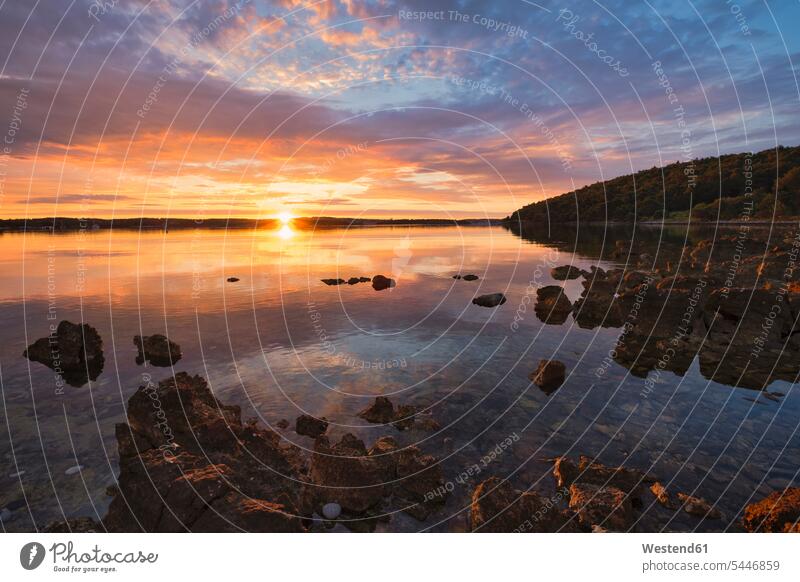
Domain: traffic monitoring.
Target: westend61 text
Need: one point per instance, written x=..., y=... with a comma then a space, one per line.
x=674, y=549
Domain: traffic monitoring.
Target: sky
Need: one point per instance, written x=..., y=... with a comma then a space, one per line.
x=251, y=108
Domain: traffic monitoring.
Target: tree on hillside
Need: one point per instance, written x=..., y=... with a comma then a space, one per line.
x=790, y=183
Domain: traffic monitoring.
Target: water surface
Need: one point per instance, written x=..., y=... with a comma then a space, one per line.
x=280, y=343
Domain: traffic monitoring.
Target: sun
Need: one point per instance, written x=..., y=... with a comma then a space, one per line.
x=285, y=217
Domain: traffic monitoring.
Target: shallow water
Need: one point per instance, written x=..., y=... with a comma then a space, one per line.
x=281, y=343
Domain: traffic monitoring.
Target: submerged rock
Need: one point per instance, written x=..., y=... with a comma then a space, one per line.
x=74, y=351
x=628, y=480
x=698, y=507
x=157, y=349
x=549, y=375
x=333, y=281
x=382, y=411
x=778, y=512
x=379, y=282
x=309, y=426
x=490, y=300
x=566, y=272
x=470, y=277
x=232, y=279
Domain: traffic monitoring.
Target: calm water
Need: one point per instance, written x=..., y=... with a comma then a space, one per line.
x=281, y=343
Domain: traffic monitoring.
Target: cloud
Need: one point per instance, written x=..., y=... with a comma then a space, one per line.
x=246, y=101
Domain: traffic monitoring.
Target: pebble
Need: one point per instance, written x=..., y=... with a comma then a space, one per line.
x=331, y=510
x=73, y=470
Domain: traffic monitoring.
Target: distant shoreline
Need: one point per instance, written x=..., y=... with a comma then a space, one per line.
x=66, y=224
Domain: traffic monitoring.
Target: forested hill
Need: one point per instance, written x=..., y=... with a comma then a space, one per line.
x=671, y=192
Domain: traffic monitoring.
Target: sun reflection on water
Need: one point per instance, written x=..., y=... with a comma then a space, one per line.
x=286, y=232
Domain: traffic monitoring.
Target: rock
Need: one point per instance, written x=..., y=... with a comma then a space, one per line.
x=633, y=279
x=5, y=514
x=698, y=507
x=74, y=351
x=353, y=280
x=552, y=305
x=426, y=423
x=331, y=510
x=75, y=525
x=456, y=276
x=549, y=375
x=282, y=424
x=778, y=512
x=333, y=281
x=605, y=506
x=567, y=472
x=490, y=300
x=662, y=495
x=379, y=282
x=597, y=305
x=187, y=462
x=470, y=277
x=157, y=349
x=364, y=279
x=565, y=272
x=404, y=417
x=309, y=426
x=382, y=411
x=232, y=279
x=497, y=507
x=419, y=475
x=347, y=474
x=379, y=412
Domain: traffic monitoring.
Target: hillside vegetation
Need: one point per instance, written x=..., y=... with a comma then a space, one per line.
x=745, y=185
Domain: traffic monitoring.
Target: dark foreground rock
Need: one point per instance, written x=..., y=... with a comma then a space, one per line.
x=74, y=351
x=309, y=426
x=333, y=281
x=157, y=349
x=76, y=525
x=605, y=506
x=187, y=463
x=778, y=512
x=360, y=480
x=497, y=507
x=232, y=279
x=490, y=300
x=379, y=282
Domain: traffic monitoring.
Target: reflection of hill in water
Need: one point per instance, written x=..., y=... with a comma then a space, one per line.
x=731, y=297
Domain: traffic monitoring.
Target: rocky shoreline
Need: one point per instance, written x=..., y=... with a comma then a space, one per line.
x=189, y=463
